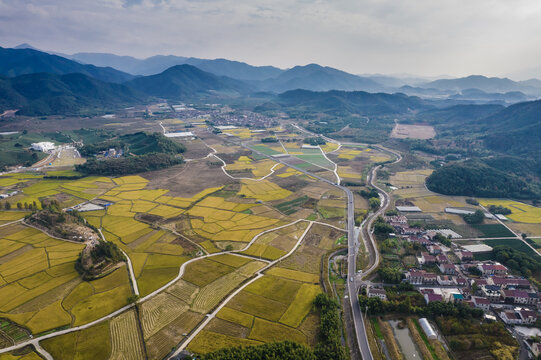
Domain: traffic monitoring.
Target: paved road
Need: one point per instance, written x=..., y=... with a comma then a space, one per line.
x=352, y=283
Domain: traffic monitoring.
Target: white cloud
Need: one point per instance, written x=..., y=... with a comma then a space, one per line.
x=457, y=37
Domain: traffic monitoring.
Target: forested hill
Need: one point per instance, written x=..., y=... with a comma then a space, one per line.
x=186, y=81
x=345, y=102
x=71, y=94
x=516, y=129
x=15, y=62
x=476, y=178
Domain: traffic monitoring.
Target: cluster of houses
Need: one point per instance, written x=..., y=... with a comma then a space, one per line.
x=447, y=274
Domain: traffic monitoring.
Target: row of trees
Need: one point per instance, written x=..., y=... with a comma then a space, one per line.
x=329, y=346
x=129, y=165
x=377, y=306
x=20, y=206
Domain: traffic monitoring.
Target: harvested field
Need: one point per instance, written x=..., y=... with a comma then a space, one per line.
x=125, y=340
x=207, y=341
x=403, y=131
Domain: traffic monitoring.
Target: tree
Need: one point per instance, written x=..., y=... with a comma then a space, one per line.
x=19, y=206
x=374, y=203
x=7, y=205
x=476, y=218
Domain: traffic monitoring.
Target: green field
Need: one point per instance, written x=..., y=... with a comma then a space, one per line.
x=513, y=243
x=493, y=230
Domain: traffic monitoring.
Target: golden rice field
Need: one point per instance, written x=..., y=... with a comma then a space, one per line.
x=125, y=341
x=348, y=172
x=289, y=172
x=243, y=133
x=40, y=288
x=263, y=190
x=329, y=147
x=519, y=211
x=349, y=154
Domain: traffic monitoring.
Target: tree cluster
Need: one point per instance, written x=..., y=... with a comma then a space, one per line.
x=517, y=260
x=476, y=218
x=129, y=165
x=432, y=310
x=498, y=209
x=314, y=141
x=269, y=140
x=285, y=350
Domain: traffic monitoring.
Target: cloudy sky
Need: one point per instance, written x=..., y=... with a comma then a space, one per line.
x=425, y=37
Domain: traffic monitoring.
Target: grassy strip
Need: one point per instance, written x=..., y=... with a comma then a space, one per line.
x=377, y=329
x=422, y=344
x=435, y=347
x=390, y=340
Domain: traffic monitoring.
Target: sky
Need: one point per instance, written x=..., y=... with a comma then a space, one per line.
x=423, y=37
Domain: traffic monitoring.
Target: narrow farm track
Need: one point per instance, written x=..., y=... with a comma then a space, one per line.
x=214, y=152
x=257, y=275
x=35, y=341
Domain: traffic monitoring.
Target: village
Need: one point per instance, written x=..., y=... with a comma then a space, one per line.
x=451, y=273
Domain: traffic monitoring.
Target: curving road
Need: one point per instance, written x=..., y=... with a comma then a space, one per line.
x=353, y=281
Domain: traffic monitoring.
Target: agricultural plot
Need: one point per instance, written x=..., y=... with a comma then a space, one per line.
x=88, y=344
x=493, y=230
x=40, y=288
x=520, y=212
x=513, y=243
x=9, y=216
x=277, y=306
x=263, y=190
x=125, y=340
x=18, y=355
x=166, y=317
x=219, y=220
x=258, y=168
x=276, y=244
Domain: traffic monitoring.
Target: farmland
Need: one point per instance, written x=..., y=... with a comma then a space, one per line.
x=191, y=244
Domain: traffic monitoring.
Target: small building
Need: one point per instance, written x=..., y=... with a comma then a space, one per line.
x=433, y=297
x=492, y=269
x=43, y=146
x=445, y=280
x=427, y=259
x=448, y=269
x=442, y=259
x=464, y=255
x=510, y=317
x=515, y=296
x=427, y=328
x=481, y=303
x=408, y=209
x=434, y=249
x=491, y=292
x=376, y=292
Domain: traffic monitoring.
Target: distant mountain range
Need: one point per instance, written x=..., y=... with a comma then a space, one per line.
x=310, y=86
x=15, y=62
x=159, y=63
x=471, y=89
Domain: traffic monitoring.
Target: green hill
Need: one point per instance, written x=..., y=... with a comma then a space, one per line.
x=186, y=81
x=15, y=62
x=476, y=178
x=71, y=94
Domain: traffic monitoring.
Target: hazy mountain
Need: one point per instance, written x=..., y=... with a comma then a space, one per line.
x=157, y=64
x=477, y=95
x=70, y=94
x=15, y=62
x=457, y=115
x=186, y=81
x=123, y=63
x=516, y=129
x=486, y=84
x=344, y=103
x=318, y=78
x=25, y=46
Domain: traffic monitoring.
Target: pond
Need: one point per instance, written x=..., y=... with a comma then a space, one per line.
x=407, y=346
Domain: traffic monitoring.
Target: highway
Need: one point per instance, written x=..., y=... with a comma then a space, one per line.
x=353, y=280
